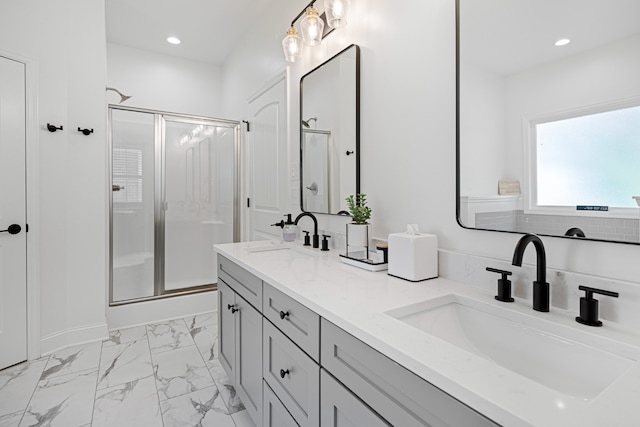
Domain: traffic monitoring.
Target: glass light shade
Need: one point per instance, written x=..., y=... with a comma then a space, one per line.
x=292, y=45
x=311, y=27
x=336, y=12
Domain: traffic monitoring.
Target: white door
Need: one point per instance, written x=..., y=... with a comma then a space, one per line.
x=13, y=244
x=267, y=162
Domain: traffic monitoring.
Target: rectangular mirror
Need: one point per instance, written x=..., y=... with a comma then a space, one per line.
x=330, y=133
x=548, y=117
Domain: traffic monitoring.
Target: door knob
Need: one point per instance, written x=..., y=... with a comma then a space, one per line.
x=12, y=229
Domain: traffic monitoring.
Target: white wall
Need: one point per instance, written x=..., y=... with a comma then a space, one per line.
x=574, y=82
x=483, y=157
x=165, y=83
x=65, y=39
x=408, y=125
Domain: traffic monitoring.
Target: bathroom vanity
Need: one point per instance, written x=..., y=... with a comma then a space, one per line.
x=309, y=341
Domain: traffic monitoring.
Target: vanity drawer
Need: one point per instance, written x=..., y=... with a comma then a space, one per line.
x=398, y=395
x=274, y=413
x=295, y=320
x=241, y=281
x=292, y=375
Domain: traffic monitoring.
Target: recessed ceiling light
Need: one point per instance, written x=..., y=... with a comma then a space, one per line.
x=173, y=40
x=562, y=42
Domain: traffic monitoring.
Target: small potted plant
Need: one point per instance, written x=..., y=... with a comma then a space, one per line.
x=358, y=229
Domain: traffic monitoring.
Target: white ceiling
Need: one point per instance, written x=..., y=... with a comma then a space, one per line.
x=206, y=27
x=508, y=36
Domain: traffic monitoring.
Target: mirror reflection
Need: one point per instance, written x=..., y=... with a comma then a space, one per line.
x=330, y=133
x=549, y=117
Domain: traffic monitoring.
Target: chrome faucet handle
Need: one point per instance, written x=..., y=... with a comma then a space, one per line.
x=589, y=305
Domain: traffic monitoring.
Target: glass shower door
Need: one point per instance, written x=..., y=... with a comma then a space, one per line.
x=199, y=198
x=174, y=196
x=132, y=205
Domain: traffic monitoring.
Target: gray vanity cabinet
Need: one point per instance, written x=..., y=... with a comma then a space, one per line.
x=290, y=367
x=340, y=408
x=397, y=394
x=293, y=376
x=241, y=334
x=274, y=414
x=227, y=329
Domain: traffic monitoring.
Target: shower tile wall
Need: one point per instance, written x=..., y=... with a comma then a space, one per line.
x=627, y=230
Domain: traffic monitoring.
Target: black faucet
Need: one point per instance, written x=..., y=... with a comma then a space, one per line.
x=316, y=237
x=575, y=231
x=540, y=286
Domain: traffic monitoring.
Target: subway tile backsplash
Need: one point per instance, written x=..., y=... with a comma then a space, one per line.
x=627, y=230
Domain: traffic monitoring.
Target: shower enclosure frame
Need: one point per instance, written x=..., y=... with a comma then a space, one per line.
x=160, y=117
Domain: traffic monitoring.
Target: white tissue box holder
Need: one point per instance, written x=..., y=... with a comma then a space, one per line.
x=413, y=257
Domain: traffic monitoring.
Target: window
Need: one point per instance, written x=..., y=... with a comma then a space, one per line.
x=127, y=174
x=592, y=159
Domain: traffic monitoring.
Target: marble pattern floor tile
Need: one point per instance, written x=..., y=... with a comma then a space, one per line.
x=202, y=408
x=17, y=385
x=227, y=391
x=65, y=401
x=11, y=420
x=132, y=404
x=72, y=360
x=206, y=339
x=168, y=336
x=206, y=319
x=121, y=382
x=180, y=372
x=123, y=363
x=123, y=336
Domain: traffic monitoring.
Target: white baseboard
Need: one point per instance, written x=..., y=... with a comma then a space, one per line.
x=73, y=336
x=160, y=310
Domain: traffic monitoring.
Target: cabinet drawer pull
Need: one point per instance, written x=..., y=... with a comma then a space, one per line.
x=233, y=310
x=230, y=306
x=284, y=314
x=283, y=373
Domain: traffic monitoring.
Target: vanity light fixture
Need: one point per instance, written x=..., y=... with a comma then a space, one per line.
x=292, y=45
x=562, y=42
x=314, y=26
x=173, y=40
x=311, y=27
x=336, y=11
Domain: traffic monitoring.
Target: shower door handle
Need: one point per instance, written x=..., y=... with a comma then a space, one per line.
x=115, y=187
x=12, y=229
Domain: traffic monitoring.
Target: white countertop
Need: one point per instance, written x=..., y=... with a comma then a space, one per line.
x=356, y=300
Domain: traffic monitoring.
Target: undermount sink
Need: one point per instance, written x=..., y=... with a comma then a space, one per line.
x=574, y=363
x=275, y=245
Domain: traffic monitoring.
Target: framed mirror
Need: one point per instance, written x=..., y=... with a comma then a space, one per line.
x=548, y=117
x=330, y=133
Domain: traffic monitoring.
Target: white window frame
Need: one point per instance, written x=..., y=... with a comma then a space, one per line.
x=531, y=166
x=129, y=204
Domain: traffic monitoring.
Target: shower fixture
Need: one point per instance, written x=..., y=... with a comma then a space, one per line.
x=122, y=96
x=306, y=124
